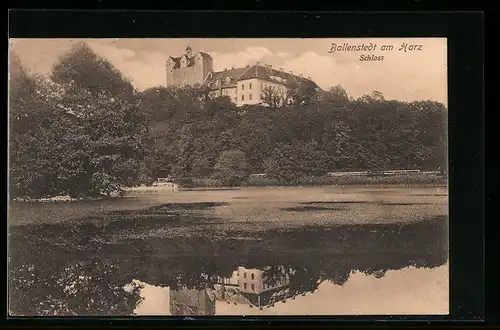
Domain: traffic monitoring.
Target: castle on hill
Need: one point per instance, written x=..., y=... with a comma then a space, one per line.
x=247, y=85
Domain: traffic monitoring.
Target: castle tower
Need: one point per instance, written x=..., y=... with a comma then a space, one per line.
x=188, y=69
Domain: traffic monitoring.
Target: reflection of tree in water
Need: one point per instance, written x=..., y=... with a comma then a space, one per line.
x=299, y=279
x=44, y=260
x=88, y=287
x=337, y=269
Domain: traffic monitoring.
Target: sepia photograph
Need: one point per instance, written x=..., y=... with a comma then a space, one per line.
x=228, y=176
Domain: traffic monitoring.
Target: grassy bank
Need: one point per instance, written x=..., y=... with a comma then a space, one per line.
x=414, y=180
x=396, y=181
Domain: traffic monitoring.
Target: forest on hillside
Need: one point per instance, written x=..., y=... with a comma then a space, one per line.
x=85, y=130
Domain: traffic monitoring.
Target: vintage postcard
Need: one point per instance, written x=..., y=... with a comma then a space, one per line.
x=228, y=177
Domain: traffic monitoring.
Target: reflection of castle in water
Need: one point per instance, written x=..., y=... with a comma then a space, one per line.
x=255, y=287
x=258, y=287
x=191, y=302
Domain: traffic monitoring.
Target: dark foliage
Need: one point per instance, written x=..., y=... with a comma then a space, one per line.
x=328, y=133
x=79, y=133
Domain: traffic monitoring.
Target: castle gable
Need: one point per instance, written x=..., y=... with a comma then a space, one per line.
x=185, y=61
x=176, y=61
x=188, y=69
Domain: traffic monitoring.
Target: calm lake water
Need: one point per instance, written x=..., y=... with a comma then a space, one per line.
x=339, y=250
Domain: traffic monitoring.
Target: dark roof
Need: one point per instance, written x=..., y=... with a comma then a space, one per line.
x=205, y=55
x=234, y=74
x=270, y=74
x=257, y=71
x=177, y=61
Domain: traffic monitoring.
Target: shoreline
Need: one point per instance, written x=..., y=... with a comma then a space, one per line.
x=60, y=199
x=145, y=189
x=67, y=199
x=368, y=185
x=288, y=186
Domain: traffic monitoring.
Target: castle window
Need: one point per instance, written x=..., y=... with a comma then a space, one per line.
x=253, y=276
x=245, y=286
x=242, y=87
x=243, y=99
x=250, y=86
x=244, y=275
x=250, y=97
x=253, y=287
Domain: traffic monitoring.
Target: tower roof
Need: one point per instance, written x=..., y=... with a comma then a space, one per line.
x=177, y=61
x=205, y=55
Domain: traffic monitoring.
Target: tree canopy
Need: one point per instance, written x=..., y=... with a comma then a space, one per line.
x=80, y=133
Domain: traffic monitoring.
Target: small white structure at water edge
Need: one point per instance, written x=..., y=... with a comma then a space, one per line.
x=165, y=182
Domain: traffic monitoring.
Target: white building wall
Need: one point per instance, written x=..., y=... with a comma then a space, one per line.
x=225, y=91
x=250, y=280
x=249, y=91
x=243, y=279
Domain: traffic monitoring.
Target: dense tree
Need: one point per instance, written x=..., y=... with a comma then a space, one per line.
x=290, y=162
x=368, y=133
x=83, y=288
x=185, y=158
x=336, y=96
x=84, y=134
x=302, y=93
x=82, y=69
x=232, y=168
x=113, y=142
x=34, y=125
x=272, y=97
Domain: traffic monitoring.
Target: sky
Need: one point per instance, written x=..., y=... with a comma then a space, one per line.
x=419, y=74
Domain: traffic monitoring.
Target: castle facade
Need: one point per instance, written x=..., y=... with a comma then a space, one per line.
x=253, y=84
